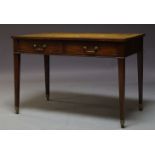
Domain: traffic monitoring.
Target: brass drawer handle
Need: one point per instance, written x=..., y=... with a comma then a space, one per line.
x=85, y=48
x=44, y=46
x=39, y=47
x=35, y=45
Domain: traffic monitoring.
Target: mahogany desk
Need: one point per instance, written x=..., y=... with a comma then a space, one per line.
x=118, y=46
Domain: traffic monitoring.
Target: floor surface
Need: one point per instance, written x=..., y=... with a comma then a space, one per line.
x=84, y=98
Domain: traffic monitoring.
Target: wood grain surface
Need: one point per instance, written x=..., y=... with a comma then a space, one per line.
x=81, y=36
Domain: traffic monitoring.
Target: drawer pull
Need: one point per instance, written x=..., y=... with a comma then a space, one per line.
x=38, y=47
x=85, y=48
x=34, y=45
x=44, y=46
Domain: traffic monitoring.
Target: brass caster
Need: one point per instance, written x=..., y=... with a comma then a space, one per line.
x=122, y=124
x=47, y=97
x=17, y=110
x=140, y=107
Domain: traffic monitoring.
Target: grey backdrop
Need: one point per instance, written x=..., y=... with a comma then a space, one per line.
x=84, y=91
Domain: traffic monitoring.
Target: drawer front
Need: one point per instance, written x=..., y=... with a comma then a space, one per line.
x=93, y=49
x=38, y=47
x=83, y=48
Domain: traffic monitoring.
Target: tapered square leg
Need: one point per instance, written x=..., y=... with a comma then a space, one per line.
x=140, y=79
x=47, y=75
x=17, y=81
x=121, y=75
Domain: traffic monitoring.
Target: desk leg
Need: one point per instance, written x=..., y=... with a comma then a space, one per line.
x=17, y=81
x=140, y=79
x=47, y=75
x=121, y=70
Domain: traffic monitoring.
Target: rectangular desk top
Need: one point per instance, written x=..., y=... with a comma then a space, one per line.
x=82, y=36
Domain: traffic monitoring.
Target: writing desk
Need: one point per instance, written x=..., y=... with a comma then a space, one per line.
x=118, y=46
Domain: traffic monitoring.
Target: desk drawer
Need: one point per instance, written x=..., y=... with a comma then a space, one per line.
x=92, y=49
x=40, y=47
